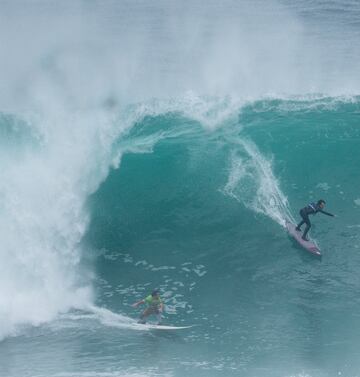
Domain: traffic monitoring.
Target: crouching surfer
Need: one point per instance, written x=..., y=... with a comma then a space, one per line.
x=311, y=209
x=154, y=306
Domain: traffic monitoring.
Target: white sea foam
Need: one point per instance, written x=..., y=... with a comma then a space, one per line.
x=43, y=220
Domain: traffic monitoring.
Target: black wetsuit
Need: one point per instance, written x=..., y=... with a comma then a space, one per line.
x=311, y=209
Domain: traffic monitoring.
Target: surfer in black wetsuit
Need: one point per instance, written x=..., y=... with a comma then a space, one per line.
x=311, y=209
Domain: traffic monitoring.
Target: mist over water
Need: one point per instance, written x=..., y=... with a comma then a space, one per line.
x=127, y=51
x=161, y=144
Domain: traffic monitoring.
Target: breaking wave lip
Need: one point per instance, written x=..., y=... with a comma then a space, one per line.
x=300, y=103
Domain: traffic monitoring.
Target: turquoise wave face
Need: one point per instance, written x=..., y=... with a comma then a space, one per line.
x=199, y=214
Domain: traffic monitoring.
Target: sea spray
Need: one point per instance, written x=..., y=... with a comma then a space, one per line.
x=251, y=181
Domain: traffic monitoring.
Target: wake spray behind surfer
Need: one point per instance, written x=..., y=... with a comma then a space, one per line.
x=154, y=306
x=311, y=209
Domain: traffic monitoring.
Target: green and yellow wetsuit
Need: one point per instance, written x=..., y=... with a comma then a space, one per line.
x=153, y=302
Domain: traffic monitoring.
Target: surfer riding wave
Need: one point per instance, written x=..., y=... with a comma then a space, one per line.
x=154, y=306
x=311, y=209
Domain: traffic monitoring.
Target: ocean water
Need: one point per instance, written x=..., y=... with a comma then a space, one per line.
x=163, y=145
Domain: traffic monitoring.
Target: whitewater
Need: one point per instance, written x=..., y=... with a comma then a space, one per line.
x=164, y=145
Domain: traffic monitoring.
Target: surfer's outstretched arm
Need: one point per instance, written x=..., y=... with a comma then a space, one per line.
x=138, y=303
x=326, y=213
